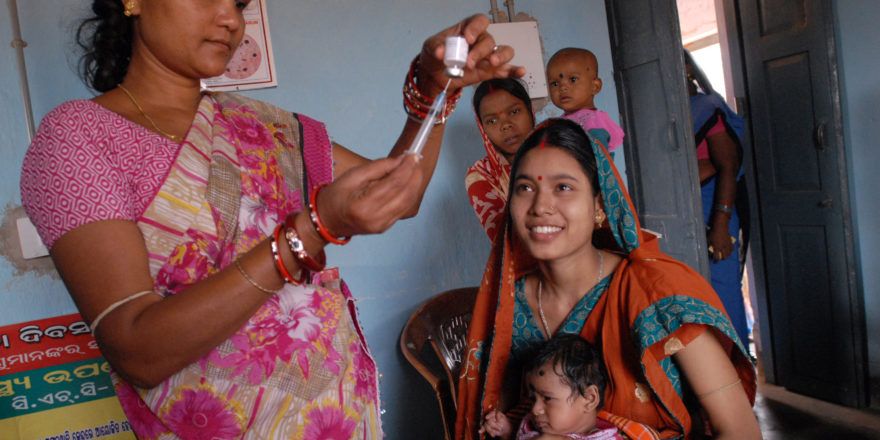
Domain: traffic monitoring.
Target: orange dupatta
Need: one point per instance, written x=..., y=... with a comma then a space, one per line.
x=653, y=307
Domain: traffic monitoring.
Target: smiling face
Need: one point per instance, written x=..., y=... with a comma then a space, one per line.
x=573, y=80
x=506, y=120
x=553, y=205
x=557, y=408
x=191, y=38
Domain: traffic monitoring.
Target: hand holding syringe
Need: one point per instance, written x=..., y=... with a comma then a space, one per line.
x=455, y=59
x=428, y=122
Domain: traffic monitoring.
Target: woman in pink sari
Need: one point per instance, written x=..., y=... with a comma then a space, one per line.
x=189, y=227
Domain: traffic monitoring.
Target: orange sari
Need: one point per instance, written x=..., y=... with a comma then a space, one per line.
x=653, y=307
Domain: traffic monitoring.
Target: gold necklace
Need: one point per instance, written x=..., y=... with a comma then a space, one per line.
x=140, y=109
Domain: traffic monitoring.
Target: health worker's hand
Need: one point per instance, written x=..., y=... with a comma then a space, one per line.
x=485, y=60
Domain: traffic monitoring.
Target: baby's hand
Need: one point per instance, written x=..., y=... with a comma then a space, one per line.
x=497, y=425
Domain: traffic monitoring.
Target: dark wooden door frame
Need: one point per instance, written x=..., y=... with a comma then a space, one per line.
x=829, y=125
x=655, y=113
x=660, y=18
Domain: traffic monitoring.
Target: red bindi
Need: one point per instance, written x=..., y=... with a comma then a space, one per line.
x=540, y=177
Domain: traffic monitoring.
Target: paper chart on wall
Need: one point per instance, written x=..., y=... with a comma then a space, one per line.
x=253, y=64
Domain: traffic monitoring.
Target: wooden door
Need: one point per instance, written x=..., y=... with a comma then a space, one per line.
x=660, y=155
x=815, y=311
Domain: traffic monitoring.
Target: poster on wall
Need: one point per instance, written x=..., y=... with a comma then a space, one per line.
x=252, y=66
x=55, y=384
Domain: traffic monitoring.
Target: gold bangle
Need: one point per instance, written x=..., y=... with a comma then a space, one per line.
x=700, y=396
x=251, y=280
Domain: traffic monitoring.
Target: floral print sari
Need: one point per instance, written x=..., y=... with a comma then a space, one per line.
x=300, y=367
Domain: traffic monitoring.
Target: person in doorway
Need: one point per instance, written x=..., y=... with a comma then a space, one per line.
x=717, y=133
x=504, y=116
x=189, y=227
x=573, y=80
x=573, y=259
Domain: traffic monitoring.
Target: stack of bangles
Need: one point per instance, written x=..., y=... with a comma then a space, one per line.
x=306, y=262
x=417, y=105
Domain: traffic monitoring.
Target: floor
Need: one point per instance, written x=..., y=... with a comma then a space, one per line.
x=783, y=415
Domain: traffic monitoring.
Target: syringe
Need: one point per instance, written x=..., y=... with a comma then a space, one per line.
x=428, y=123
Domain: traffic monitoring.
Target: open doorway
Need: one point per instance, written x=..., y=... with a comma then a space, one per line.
x=780, y=58
x=704, y=37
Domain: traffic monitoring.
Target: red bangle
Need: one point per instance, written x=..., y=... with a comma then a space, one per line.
x=299, y=249
x=279, y=264
x=417, y=105
x=316, y=220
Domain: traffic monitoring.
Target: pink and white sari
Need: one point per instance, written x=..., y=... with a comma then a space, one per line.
x=300, y=367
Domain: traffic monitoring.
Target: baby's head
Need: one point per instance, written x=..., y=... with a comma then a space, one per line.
x=572, y=76
x=567, y=378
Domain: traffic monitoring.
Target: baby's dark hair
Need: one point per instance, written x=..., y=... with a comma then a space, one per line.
x=577, y=362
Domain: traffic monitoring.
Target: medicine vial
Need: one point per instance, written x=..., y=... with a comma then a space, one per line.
x=456, y=55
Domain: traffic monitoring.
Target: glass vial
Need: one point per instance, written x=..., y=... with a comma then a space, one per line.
x=456, y=55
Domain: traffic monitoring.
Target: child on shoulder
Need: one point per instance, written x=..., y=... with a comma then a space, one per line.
x=572, y=75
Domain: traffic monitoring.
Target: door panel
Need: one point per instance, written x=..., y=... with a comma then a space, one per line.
x=660, y=155
x=815, y=311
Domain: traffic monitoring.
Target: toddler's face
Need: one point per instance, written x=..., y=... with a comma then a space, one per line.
x=506, y=120
x=573, y=82
x=556, y=409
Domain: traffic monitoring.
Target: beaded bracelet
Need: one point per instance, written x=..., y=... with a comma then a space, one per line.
x=299, y=249
x=316, y=219
x=416, y=104
x=279, y=263
x=723, y=207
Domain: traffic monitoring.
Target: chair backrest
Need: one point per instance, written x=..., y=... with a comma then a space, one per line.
x=434, y=340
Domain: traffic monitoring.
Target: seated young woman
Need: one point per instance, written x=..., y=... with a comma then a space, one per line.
x=573, y=259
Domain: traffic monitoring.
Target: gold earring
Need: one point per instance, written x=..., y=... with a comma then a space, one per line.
x=599, y=218
x=129, y=5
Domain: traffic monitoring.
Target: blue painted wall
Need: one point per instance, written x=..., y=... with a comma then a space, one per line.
x=859, y=57
x=341, y=62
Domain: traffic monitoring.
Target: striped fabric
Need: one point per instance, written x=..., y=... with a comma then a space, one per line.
x=300, y=367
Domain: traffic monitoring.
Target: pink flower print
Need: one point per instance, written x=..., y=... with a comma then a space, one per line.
x=328, y=422
x=257, y=217
x=258, y=347
x=197, y=414
x=144, y=423
x=298, y=307
x=252, y=133
x=186, y=265
x=272, y=335
x=363, y=372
